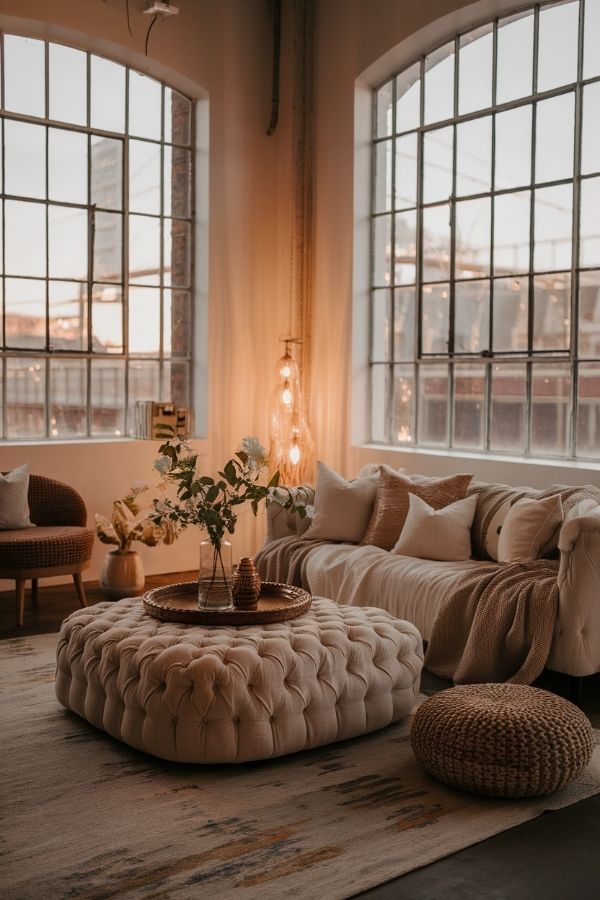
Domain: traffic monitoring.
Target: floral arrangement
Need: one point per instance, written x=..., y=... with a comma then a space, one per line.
x=131, y=522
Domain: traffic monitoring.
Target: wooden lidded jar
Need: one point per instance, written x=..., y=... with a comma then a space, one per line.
x=246, y=584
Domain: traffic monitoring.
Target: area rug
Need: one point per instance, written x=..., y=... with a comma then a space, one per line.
x=87, y=817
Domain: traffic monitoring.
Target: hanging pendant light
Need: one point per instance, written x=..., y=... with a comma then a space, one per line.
x=291, y=446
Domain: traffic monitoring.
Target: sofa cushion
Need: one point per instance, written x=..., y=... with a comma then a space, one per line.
x=530, y=529
x=438, y=534
x=14, y=504
x=342, y=508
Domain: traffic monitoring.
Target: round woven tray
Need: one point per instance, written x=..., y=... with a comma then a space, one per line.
x=501, y=740
x=179, y=603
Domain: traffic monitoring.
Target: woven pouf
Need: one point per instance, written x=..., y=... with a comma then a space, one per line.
x=501, y=740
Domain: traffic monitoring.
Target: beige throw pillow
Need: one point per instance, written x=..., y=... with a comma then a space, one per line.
x=14, y=505
x=342, y=508
x=530, y=528
x=440, y=534
x=391, y=505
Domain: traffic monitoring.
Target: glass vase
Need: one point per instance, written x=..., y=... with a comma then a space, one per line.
x=215, y=576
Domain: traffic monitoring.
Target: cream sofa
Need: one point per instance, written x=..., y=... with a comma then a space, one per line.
x=413, y=589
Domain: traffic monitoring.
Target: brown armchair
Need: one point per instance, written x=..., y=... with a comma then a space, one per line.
x=59, y=545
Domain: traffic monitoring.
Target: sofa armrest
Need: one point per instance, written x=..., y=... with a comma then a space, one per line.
x=283, y=522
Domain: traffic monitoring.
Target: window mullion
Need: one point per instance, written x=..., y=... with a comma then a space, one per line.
x=574, y=309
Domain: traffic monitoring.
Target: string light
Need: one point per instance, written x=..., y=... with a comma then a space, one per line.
x=291, y=446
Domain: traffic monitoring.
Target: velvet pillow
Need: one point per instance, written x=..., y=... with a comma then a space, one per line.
x=342, y=508
x=391, y=505
x=530, y=529
x=14, y=505
x=440, y=534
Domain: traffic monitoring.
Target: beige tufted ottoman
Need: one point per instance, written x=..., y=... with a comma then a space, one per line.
x=222, y=694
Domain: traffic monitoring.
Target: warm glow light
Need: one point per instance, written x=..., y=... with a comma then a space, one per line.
x=285, y=371
x=294, y=455
x=286, y=397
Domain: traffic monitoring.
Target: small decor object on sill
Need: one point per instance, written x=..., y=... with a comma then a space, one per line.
x=246, y=584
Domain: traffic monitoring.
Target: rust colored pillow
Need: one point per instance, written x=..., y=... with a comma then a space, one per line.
x=391, y=504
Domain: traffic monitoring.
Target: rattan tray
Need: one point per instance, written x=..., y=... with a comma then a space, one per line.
x=179, y=603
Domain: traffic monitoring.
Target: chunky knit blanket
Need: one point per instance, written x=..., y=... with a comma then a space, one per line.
x=283, y=560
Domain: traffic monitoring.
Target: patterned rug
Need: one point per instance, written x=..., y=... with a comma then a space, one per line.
x=86, y=817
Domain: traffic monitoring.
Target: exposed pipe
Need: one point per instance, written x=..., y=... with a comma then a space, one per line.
x=276, y=67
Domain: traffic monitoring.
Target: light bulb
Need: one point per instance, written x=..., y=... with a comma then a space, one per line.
x=286, y=397
x=285, y=371
x=294, y=455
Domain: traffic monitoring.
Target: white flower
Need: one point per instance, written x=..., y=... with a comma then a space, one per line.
x=162, y=464
x=256, y=453
x=310, y=511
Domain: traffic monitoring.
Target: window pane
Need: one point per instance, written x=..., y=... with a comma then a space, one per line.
x=177, y=181
x=68, y=315
x=406, y=247
x=144, y=250
x=144, y=320
x=177, y=253
x=68, y=242
x=384, y=110
x=433, y=405
x=107, y=397
x=25, y=238
x=436, y=243
x=404, y=324
x=435, y=311
x=25, y=311
x=510, y=314
x=144, y=177
x=379, y=397
x=589, y=233
x=474, y=156
x=589, y=314
x=177, y=323
x=108, y=247
x=25, y=398
x=382, y=199
x=472, y=239
x=406, y=171
x=437, y=165
x=144, y=381
x=471, y=316
x=439, y=84
x=68, y=398
x=552, y=311
x=408, y=98
x=588, y=411
x=513, y=148
x=511, y=232
x=469, y=406
x=590, y=137
x=591, y=59
x=508, y=421
x=557, y=45
x=553, y=227
x=475, y=70
x=67, y=166
x=382, y=249
x=107, y=173
x=24, y=159
x=107, y=319
x=515, y=57
x=404, y=404
x=67, y=84
x=24, y=78
x=107, y=95
x=178, y=118
x=145, y=110
x=550, y=408
x=381, y=324
x=555, y=125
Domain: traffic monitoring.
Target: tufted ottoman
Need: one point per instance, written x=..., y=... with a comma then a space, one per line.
x=223, y=694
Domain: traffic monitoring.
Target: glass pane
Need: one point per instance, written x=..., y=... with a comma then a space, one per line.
x=589, y=229
x=408, y=98
x=406, y=247
x=144, y=250
x=145, y=110
x=68, y=242
x=471, y=316
x=107, y=319
x=24, y=75
x=25, y=312
x=436, y=243
x=382, y=199
x=68, y=315
x=107, y=172
x=379, y=403
x=25, y=238
x=107, y=397
x=512, y=214
x=25, y=398
x=24, y=159
x=591, y=58
x=508, y=421
x=107, y=95
x=552, y=311
x=475, y=70
x=404, y=324
x=435, y=311
x=384, y=104
x=177, y=253
x=513, y=148
x=381, y=315
x=437, y=165
x=433, y=405
x=406, y=171
x=553, y=227
x=550, y=408
x=469, y=406
x=472, y=238
x=382, y=250
x=439, y=84
x=511, y=305
x=588, y=411
x=555, y=126
x=177, y=323
x=67, y=84
x=178, y=118
x=589, y=314
x=590, y=136
x=404, y=404
x=68, y=398
x=177, y=181
x=144, y=381
x=474, y=156
x=144, y=320
x=515, y=57
x=108, y=247
x=144, y=177
x=557, y=45
x=67, y=166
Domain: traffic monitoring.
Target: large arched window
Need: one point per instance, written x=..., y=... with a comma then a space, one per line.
x=485, y=263
x=96, y=214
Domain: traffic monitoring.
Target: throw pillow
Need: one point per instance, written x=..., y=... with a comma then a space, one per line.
x=441, y=534
x=530, y=528
x=391, y=506
x=14, y=505
x=342, y=508
x=494, y=527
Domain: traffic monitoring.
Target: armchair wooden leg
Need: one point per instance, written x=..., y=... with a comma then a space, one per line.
x=20, y=590
x=34, y=587
x=80, y=589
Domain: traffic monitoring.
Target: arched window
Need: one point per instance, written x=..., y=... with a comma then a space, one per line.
x=96, y=214
x=485, y=263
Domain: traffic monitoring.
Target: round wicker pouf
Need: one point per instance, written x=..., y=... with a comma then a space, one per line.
x=501, y=740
